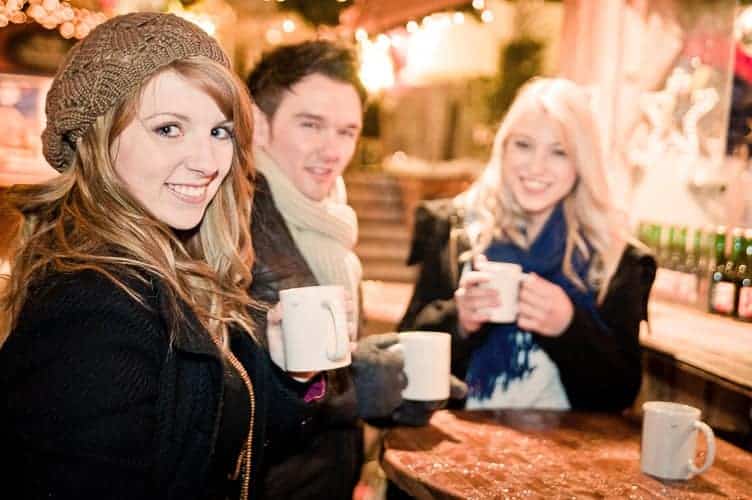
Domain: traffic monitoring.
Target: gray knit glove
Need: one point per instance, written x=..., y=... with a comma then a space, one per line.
x=418, y=413
x=378, y=376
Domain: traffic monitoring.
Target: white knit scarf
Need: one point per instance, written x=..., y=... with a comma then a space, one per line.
x=325, y=231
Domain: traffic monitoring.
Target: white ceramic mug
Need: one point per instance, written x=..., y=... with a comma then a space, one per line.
x=314, y=329
x=505, y=278
x=669, y=439
x=427, y=365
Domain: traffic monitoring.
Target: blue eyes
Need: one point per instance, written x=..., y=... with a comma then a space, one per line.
x=170, y=130
x=222, y=132
x=173, y=130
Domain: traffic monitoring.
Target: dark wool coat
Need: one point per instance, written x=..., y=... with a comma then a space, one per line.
x=329, y=465
x=96, y=404
x=600, y=368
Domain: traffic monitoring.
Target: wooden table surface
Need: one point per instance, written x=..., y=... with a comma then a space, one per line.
x=544, y=454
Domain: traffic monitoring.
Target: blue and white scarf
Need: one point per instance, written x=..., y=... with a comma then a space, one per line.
x=505, y=355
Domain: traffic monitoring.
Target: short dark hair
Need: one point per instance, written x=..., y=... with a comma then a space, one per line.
x=283, y=67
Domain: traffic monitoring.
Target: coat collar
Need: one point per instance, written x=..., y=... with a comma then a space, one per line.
x=186, y=331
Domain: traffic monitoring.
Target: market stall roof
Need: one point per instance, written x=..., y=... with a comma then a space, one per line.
x=378, y=15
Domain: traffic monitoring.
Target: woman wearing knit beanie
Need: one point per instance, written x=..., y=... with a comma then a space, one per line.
x=122, y=374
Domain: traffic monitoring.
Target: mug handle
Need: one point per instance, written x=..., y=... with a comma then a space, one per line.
x=710, y=453
x=336, y=350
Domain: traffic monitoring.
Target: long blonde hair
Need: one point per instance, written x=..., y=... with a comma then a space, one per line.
x=86, y=219
x=587, y=210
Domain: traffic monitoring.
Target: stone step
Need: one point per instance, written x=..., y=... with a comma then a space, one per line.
x=381, y=215
x=366, y=207
x=378, y=231
x=382, y=250
x=384, y=303
x=385, y=271
x=370, y=179
x=370, y=192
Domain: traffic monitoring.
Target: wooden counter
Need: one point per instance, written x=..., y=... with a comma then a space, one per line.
x=544, y=454
x=720, y=346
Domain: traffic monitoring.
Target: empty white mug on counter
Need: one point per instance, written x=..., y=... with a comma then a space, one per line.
x=314, y=329
x=669, y=440
x=427, y=365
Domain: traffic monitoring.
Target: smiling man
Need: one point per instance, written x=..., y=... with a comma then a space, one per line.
x=307, y=120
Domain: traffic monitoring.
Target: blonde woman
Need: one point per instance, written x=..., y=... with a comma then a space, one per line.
x=131, y=370
x=543, y=203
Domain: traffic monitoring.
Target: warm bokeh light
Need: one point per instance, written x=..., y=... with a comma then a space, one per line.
x=377, y=68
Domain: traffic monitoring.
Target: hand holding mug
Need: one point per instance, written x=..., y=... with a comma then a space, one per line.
x=474, y=300
x=378, y=375
x=313, y=333
x=544, y=307
x=276, y=344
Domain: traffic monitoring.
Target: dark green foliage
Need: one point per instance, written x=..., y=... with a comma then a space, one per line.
x=520, y=60
x=316, y=12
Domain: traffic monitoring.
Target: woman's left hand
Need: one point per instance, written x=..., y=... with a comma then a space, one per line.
x=544, y=307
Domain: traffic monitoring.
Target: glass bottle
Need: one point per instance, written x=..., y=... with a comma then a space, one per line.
x=744, y=282
x=664, y=286
x=728, y=279
x=722, y=293
x=705, y=267
x=691, y=269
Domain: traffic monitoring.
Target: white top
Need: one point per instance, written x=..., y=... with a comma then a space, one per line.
x=541, y=388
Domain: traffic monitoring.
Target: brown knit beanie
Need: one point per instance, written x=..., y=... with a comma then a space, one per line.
x=112, y=61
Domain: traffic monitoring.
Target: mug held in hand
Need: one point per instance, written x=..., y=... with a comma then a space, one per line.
x=427, y=365
x=505, y=278
x=314, y=328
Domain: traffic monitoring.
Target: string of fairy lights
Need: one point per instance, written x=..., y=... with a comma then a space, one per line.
x=275, y=33
x=71, y=22
x=376, y=50
x=78, y=22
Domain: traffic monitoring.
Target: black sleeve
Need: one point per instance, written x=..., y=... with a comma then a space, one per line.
x=284, y=419
x=599, y=361
x=79, y=383
x=282, y=415
x=338, y=407
x=432, y=306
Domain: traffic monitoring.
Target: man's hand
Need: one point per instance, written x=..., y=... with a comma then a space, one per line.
x=418, y=413
x=378, y=375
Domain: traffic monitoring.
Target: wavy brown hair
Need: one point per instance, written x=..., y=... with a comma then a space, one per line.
x=86, y=219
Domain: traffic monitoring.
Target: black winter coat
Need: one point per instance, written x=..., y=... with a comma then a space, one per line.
x=600, y=369
x=96, y=404
x=328, y=466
